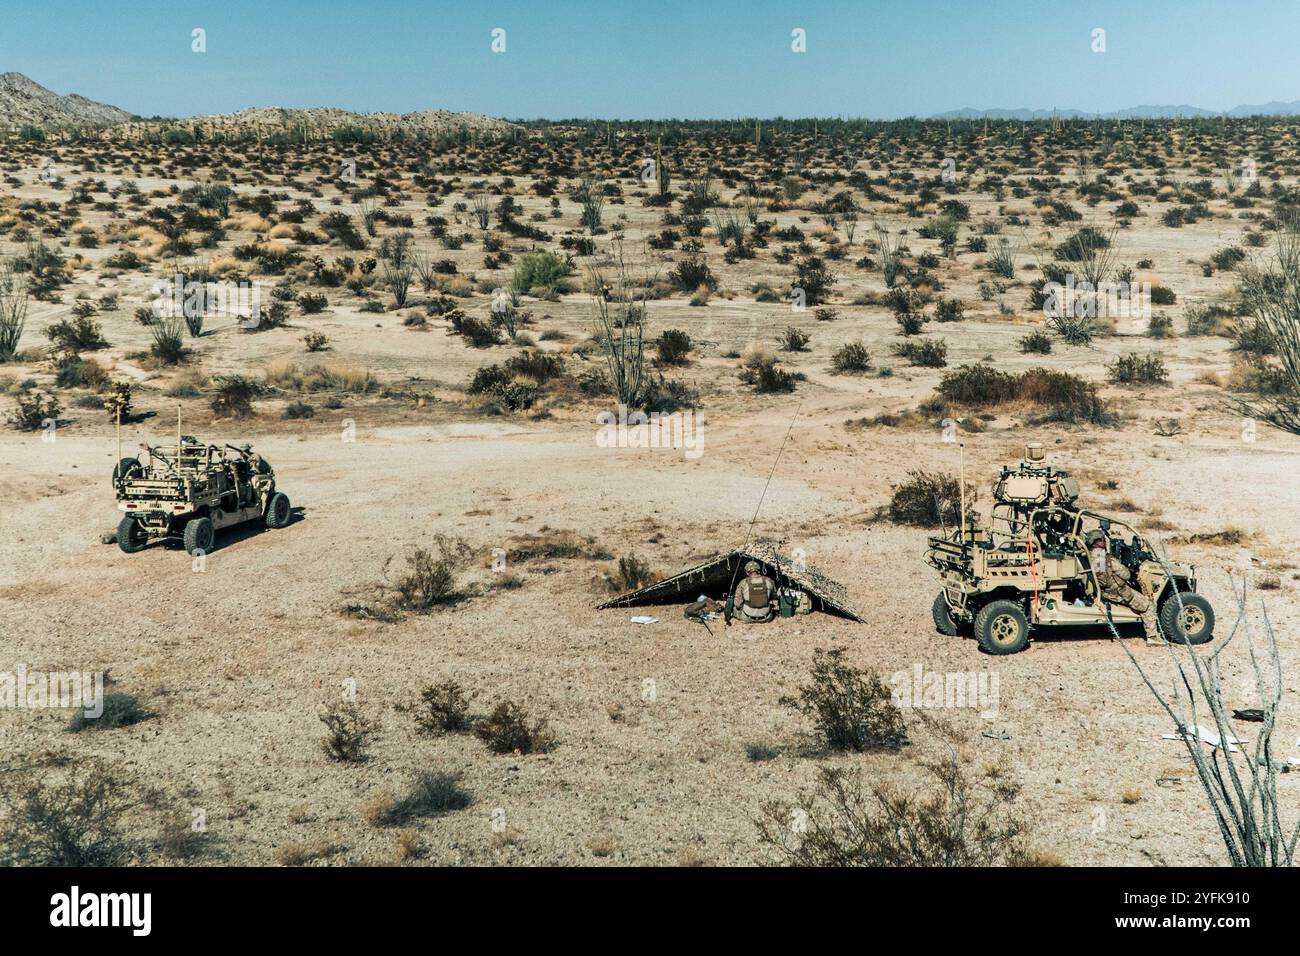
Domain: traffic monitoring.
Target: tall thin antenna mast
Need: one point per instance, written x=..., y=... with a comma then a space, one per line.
x=961, y=483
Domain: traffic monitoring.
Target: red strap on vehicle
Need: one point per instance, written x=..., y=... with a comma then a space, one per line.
x=1033, y=571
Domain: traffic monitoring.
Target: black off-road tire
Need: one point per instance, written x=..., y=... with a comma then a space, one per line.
x=943, y=622
x=131, y=538
x=1190, y=623
x=126, y=468
x=278, y=511
x=1001, y=627
x=199, y=535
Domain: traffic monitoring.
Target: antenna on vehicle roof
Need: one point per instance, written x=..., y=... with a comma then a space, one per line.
x=961, y=488
x=178, y=438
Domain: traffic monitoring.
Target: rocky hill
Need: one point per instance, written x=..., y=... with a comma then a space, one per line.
x=271, y=118
x=24, y=102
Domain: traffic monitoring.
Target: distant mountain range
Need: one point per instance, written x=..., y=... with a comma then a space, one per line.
x=1275, y=108
x=25, y=102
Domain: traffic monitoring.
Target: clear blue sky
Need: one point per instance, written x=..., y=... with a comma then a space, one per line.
x=657, y=58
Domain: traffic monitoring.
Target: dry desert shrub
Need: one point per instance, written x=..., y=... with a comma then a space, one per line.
x=332, y=377
x=1067, y=397
x=1135, y=369
x=300, y=854
x=632, y=573
x=510, y=729
x=928, y=499
x=348, y=732
x=429, y=578
x=234, y=396
x=959, y=821
x=924, y=353
x=432, y=794
x=120, y=710
x=851, y=709
x=443, y=708
x=180, y=840
x=406, y=846
x=852, y=357
x=33, y=411
x=556, y=543
x=72, y=816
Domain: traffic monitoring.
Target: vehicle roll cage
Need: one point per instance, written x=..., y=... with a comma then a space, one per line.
x=1012, y=525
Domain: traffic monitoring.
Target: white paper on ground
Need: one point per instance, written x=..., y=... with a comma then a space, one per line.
x=1208, y=736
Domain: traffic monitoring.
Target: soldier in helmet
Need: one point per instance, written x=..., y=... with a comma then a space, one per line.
x=754, y=598
x=1115, y=582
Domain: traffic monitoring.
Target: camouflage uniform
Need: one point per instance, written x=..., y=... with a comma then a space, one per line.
x=754, y=595
x=1113, y=578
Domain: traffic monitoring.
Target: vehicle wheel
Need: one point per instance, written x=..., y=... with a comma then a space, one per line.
x=1002, y=628
x=943, y=621
x=130, y=536
x=278, y=511
x=1190, y=623
x=126, y=468
x=198, y=535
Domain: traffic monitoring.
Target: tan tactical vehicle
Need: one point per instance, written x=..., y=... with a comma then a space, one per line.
x=190, y=491
x=1030, y=567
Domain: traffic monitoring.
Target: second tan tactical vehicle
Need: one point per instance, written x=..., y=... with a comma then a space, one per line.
x=1030, y=569
x=190, y=491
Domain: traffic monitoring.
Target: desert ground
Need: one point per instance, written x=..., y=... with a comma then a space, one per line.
x=235, y=662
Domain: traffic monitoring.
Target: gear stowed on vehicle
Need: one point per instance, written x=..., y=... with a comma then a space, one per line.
x=190, y=491
x=1030, y=567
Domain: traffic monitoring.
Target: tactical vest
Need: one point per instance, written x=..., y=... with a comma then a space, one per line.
x=757, y=595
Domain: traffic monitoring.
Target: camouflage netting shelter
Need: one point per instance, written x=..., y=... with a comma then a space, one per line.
x=714, y=576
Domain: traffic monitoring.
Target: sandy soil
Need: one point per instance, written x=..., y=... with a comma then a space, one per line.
x=238, y=660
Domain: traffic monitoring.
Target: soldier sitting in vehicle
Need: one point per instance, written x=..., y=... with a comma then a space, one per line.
x=754, y=598
x=1114, y=579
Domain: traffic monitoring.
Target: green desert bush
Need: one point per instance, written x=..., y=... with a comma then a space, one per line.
x=852, y=357
x=168, y=334
x=33, y=411
x=539, y=270
x=674, y=347
x=234, y=395
x=78, y=334
x=1135, y=369
x=925, y=353
x=794, y=340
x=1037, y=342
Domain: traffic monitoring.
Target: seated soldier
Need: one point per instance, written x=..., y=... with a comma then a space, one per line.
x=755, y=596
x=1114, y=579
